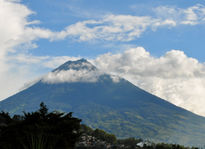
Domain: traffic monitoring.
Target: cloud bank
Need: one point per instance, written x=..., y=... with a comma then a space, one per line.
x=173, y=76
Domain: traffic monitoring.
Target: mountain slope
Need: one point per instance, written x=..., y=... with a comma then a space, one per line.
x=110, y=103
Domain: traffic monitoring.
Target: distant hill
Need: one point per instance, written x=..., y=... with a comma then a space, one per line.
x=111, y=103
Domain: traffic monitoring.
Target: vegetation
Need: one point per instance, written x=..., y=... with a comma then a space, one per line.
x=99, y=134
x=99, y=139
x=55, y=130
x=39, y=130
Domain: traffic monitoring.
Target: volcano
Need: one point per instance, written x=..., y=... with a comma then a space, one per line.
x=110, y=103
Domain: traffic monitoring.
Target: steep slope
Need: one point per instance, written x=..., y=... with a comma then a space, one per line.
x=110, y=103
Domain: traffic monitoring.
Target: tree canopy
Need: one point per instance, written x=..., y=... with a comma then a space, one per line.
x=39, y=129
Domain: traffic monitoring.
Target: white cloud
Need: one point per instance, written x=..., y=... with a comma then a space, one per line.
x=129, y=27
x=188, y=16
x=173, y=76
x=111, y=27
x=71, y=76
x=15, y=32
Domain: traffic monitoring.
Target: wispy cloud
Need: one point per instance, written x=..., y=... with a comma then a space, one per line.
x=188, y=16
x=129, y=27
x=112, y=27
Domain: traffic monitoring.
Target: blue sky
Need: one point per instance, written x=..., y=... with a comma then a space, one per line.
x=57, y=15
x=157, y=45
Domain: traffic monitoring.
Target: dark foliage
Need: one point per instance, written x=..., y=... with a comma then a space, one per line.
x=99, y=134
x=129, y=142
x=39, y=129
x=55, y=130
x=99, y=139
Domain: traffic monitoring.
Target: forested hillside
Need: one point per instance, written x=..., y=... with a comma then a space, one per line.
x=54, y=130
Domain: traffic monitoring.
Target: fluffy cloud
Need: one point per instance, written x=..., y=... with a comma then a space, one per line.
x=16, y=31
x=173, y=76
